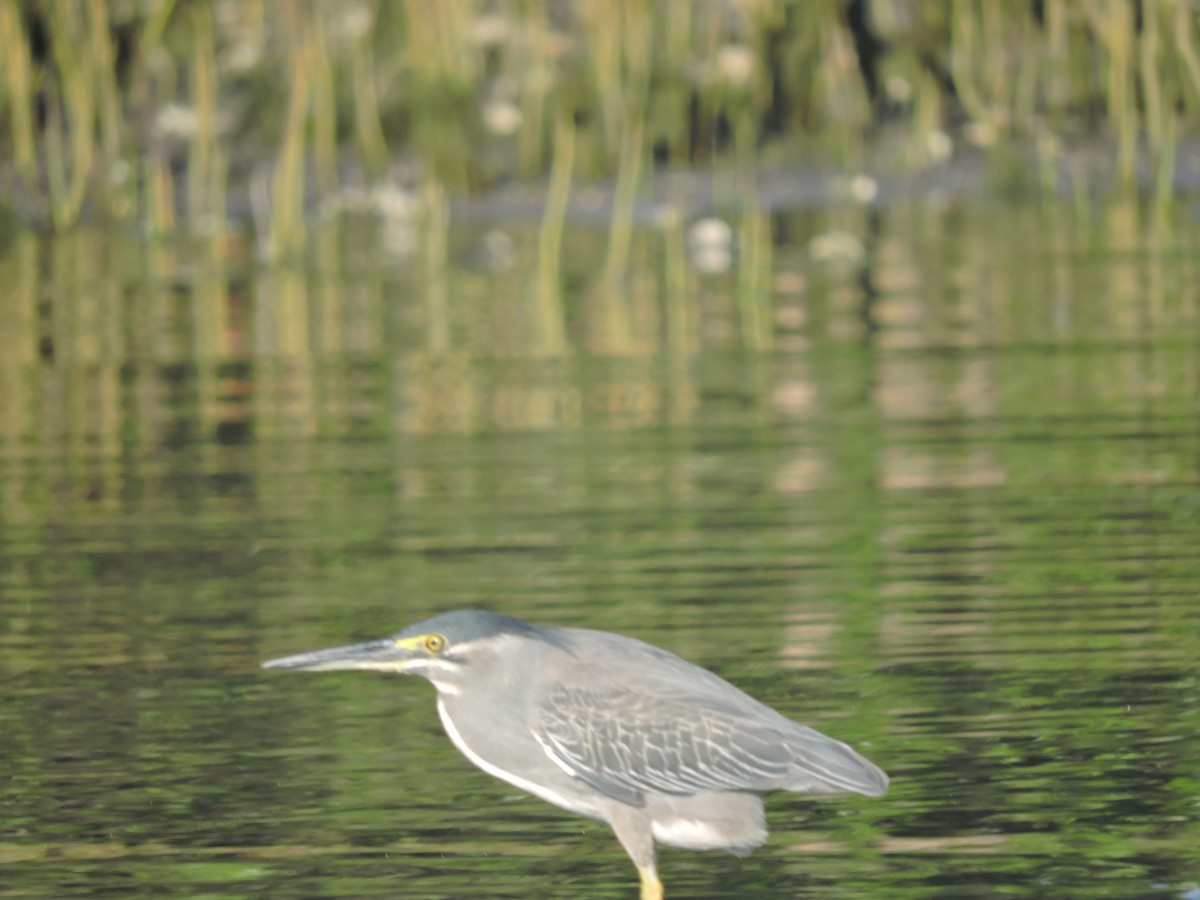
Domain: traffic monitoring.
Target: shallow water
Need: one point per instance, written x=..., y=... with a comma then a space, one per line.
x=946, y=512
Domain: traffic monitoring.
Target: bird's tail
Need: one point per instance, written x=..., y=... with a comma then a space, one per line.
x=821, y=765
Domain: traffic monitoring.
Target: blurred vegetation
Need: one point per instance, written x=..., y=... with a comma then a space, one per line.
x=169, y=113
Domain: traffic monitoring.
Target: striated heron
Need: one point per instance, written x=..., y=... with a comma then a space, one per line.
x=611, y=728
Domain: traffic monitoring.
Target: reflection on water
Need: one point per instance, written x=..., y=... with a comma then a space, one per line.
x=947, y=512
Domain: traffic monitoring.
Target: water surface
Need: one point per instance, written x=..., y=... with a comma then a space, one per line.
x=942, y=503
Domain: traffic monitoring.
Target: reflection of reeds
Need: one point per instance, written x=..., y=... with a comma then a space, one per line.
x=435, y=250
x=754, y=273
x=677, y=325
x=308, y=355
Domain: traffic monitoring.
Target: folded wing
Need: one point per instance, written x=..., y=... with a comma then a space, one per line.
x=625, y=741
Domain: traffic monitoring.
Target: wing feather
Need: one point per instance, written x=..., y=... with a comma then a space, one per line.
x=625, y=743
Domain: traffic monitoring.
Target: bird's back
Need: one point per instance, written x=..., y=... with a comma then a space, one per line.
x=631, y=718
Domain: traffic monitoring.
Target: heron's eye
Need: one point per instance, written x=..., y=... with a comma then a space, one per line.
x=435, y=643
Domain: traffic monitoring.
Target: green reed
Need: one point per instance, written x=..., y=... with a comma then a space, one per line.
x=551, y=337
x=472, y=93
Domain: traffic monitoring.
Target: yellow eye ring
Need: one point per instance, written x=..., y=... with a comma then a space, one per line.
x=435, y=643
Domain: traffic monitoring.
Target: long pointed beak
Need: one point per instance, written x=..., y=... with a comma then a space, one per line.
x=384, y=655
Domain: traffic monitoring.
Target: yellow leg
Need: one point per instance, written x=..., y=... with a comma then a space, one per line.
x=652, y=888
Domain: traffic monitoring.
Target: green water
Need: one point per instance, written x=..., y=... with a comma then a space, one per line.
x=948, y=513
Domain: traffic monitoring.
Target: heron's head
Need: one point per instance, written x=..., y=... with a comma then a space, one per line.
x=448, y=649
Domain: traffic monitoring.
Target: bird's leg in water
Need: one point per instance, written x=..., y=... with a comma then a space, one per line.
x=633, y=830
x=652, y=888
